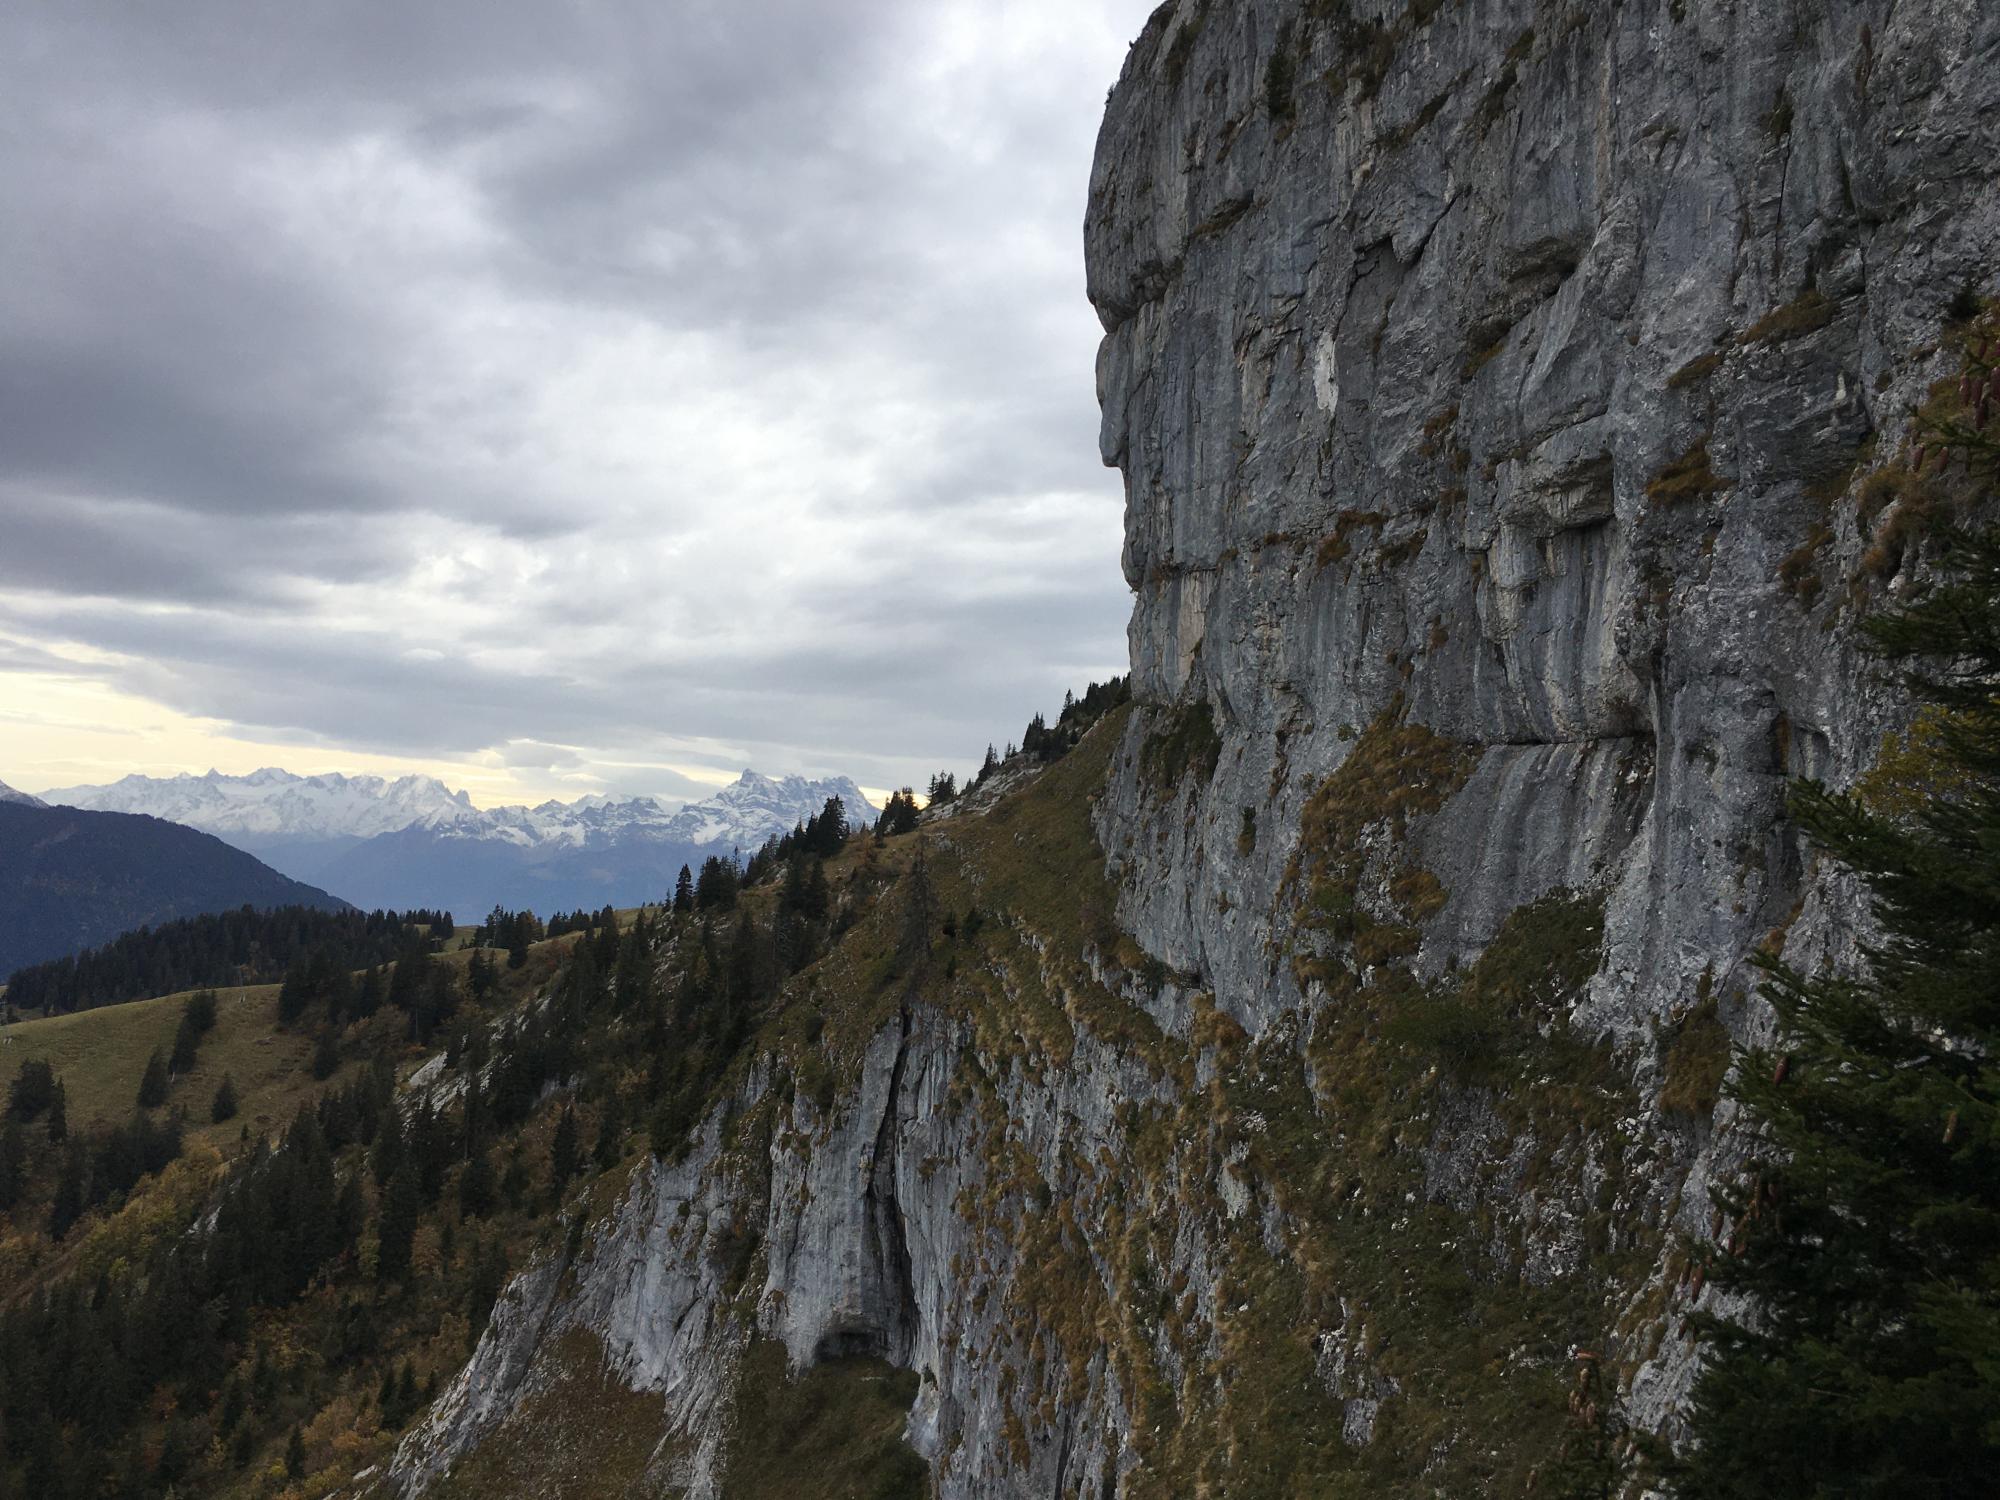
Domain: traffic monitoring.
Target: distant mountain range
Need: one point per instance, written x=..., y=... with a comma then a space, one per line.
x=71, y=879
x=415, y=842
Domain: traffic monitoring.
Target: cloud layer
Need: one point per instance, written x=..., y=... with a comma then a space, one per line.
x=587, y=389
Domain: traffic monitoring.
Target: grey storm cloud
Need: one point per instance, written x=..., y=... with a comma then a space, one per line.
x=581, y=383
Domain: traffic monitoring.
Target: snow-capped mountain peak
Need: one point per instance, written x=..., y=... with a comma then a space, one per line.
x=276, y=803
x=272, y=804
x=755, y=807
x=8, y=794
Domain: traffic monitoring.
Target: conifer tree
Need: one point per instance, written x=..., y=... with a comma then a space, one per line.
x=224, y=1106
x=716, y=887
x=326, y=1054
x=826, y=835
x=1866, y=1234
x=58, y=1126
x=13, y=1163
x=919, y=914
x=480, y=976
x=899, y=814
x=187, y=1040
x=350, y=1212
x=33, y=1089
x=153, y=1083
x=295, y=993
x=489, y=1279
x=745, y=976
x=633, y=980
x=68, y=1203
x=402, y=1203
x=477, y=1190
x=606, y=936
x=388, y=1150
x=684, y=891
x=610, y=1131
x=564, y=1151
x=368, y=993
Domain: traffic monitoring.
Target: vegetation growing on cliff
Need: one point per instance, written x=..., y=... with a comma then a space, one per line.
x=833, y=1432
x=1185, y=740
x=1867, y=1231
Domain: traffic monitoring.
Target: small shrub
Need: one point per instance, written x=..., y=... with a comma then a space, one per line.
x=1806, y=313
x=1490, y=1026
x=1279, y=74
x=1916, y=509
x=1694, y=372
x=1367, y=50
x=1481, y=354
x=1778, y=123
x=1186, y=741
x=1697, y=1060
x=1798, y=573
x=1418, y=892
x=1181, y=48
x=1687, y=479
x=1338, y=544
x=1915, y=767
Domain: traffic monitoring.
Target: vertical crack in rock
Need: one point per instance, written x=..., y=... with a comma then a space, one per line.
x=890, y=1245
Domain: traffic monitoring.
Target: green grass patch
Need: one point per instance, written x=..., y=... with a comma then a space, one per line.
x=1806, y=313
x=833, y=1433
x=1183, y=740
x=1696, y=1061
x=583, y=1435
x=1694, y=372
x=101, y=1054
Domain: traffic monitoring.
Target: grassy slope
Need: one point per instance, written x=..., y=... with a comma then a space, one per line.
x=101, y=1054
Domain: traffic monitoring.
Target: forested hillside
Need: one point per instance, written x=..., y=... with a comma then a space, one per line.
x=245, y=946
x=372, y=1150
x=72, y=879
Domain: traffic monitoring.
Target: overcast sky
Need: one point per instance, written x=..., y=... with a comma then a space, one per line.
x=556, y=398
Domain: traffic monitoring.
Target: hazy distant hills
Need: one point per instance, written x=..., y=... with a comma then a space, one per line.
x=70, y=879
x=415, y=842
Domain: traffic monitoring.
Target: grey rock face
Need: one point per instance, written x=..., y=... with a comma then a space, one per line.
x=1396, y=343
x=1390, y=365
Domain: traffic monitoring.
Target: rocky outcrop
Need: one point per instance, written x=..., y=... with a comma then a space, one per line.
x=1509, y=369
x=1492, y=384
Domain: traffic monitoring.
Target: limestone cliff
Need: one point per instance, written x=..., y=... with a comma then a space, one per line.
x=1494, y=384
